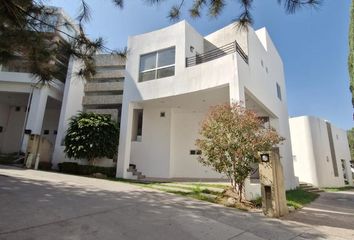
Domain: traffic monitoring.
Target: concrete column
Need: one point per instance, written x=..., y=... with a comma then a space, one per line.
x=37, y=109
x=71, y=105
x=236, y=88
x=125, y=140
x=36, y=113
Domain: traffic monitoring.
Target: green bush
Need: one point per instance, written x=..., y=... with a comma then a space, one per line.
x=85, y=170
x=69, y=167
x=45, y=165
x=91, y=136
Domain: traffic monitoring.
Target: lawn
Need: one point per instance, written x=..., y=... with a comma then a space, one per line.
x=298, y=197
x=338, y=189
x=212, y=192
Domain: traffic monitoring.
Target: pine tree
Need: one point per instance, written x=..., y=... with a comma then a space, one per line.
x=351, y=51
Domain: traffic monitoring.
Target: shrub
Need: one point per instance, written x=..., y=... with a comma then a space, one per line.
x=69, y=167
x=45, y=165
x=85, y=170
x=91, y=136
x=231, y=137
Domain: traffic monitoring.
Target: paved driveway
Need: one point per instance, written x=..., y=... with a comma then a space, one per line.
x=37, y=205
x=331, y=213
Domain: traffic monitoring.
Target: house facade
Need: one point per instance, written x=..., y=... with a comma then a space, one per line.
x=26, y=104
x=174, y=75
x=29, y=107
x=321, y=152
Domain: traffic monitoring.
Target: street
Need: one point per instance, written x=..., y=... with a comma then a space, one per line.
x=38, y=205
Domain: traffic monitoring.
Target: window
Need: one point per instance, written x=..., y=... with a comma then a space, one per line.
x=278, y=91
x=158, y=64
x=137, y=125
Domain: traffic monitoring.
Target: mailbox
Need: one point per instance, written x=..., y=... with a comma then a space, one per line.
x=271, y=177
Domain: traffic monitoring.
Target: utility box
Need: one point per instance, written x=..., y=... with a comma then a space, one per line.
x=271, y=177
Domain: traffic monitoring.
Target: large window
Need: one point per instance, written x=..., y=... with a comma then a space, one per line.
x=158, y=64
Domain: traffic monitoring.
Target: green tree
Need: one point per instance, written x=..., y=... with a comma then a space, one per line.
x=350, y=134
x=244, y=17
x=351, y=51
x=91, y=136
x=22, y=22
x=28, y=34
x=231, y=138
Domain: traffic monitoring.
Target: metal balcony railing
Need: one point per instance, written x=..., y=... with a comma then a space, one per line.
x=217, y=53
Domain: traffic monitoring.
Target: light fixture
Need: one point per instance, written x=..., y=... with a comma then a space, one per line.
x=265, y=157
x=191, y=48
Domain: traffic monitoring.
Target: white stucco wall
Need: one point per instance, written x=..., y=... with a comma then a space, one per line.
x=4, y=117
x=311, y=150
x=185, y=127
x=71, y=105
x=154, y=147
x=13, y=124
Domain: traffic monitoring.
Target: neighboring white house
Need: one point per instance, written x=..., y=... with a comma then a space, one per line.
x=52, y=105
x=27, y=104
x=321, y=152
x=173, y=76
x=102, y=94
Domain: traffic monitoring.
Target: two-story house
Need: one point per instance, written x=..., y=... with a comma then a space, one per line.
x=173, y=76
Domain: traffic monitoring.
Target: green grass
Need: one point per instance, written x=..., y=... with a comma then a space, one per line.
x=193, y=191
x=212, y=185
x=298, y=197
x=338, y=189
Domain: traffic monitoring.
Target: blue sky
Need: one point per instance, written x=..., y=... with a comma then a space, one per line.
x=312, y=43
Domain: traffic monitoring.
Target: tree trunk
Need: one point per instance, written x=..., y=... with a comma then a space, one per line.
x=239, y=191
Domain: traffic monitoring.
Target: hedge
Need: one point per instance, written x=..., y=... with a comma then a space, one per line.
x=75, y=168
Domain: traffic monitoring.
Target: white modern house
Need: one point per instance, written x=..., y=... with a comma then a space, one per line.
x=321, y=152
x=27, y=104
x=173, y=76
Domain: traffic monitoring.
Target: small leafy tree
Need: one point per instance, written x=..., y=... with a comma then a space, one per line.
x=91, y=136
x=350, y=134
x=231, y=137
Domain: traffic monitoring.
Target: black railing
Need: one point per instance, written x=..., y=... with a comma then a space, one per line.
x=217, y=53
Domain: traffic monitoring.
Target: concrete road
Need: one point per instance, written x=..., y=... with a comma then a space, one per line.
x=37, y=205
x=331, y=213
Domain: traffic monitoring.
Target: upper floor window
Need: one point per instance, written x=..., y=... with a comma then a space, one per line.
x=157, y=64
x=278, y=91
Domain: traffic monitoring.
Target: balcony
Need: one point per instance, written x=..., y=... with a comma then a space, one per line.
x=217, y=53
x=17, y=65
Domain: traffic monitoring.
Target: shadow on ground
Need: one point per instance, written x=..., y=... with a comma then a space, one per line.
x=332, y=210
x=61, y=209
